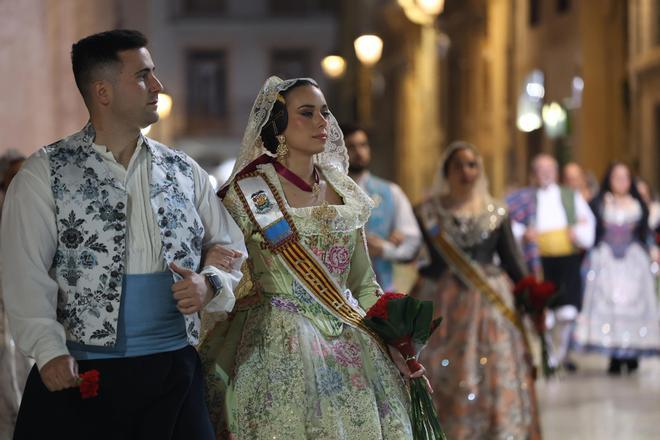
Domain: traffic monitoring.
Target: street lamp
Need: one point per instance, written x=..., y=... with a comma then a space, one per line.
x=163, y=108
x=422, y=12
x=431, y=7
x=333, y=66
x=368, y=49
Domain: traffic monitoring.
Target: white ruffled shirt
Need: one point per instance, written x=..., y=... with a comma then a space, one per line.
x=551, y=215
x=29, y=241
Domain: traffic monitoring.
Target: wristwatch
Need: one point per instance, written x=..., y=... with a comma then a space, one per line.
x=215, y=283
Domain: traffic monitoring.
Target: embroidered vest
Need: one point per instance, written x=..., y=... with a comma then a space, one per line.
x=381, y=224
x=90, y=208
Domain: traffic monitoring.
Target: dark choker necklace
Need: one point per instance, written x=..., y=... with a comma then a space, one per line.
x=289, y=175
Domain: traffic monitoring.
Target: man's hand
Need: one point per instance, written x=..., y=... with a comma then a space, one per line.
x=530, y=235
x=222, y=257
x=60, y=373
x=192, y=293
x=375, y=245
x=396, y=238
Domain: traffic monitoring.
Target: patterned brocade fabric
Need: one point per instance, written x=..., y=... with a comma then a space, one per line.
x=477, y=362
x=296, y=371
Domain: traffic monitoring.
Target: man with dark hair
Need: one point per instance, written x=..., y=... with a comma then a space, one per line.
x=392, y=231
x=102, y=239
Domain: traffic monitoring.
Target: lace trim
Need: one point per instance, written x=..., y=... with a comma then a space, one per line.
x=352, y=215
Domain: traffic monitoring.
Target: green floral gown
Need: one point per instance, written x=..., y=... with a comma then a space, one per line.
x=284, y=367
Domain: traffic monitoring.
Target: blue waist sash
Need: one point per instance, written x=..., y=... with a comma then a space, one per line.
x=149, y=321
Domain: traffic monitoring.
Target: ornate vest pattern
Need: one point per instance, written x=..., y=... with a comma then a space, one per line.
x=381, y=224
x=90, y=208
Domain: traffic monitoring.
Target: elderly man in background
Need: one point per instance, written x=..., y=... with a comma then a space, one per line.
x=554, y=225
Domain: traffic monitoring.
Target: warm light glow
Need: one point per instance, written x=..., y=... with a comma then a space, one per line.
x=422, y=12
x=553, y=114
x=535, y=90
x=334, y=66
x=431, y=7
x=164, y=106
x=368, y=49
x=578, y=83
x=554, y=120
x=528, y=122
x=145, y=131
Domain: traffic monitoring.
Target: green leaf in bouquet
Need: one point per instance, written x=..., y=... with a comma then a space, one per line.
x=422, y=325
x=434, y=325
x=383, y=328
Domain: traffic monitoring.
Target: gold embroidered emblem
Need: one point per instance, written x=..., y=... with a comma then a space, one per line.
x=325, y=215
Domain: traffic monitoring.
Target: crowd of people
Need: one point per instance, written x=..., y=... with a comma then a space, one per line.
x=238, y=315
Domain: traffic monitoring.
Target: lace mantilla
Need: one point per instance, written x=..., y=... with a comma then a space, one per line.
x=334, y=155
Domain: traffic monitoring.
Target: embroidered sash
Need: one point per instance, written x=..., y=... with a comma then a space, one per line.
x=466, y=270
x=266, y=209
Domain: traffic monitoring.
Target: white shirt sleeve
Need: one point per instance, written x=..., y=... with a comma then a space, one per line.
x=519, y=230
x=219, y=228
x=405, y=223
x=28, y=237
x=585, y=226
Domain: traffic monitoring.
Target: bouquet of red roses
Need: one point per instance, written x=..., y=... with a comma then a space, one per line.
x=533, y=298
x=407, y=323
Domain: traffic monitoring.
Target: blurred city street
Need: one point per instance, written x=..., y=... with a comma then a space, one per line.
x=589, y=404
x=496, y=158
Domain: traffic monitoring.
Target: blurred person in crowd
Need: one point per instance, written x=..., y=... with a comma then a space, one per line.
x=102, y=237
x=651, y=201
x=620, y=313
x=574, y=177
x=14, y=365
x=392, y=232
x=479, y=363
x=555, y=226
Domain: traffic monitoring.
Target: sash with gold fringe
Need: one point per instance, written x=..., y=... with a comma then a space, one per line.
x=266, y=209
x=472, y=276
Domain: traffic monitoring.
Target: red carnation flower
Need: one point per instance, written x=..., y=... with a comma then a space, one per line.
x=89, y=384
x=379, y=309
x=524, y=284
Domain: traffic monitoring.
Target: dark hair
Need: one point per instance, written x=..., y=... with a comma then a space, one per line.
x=100, y=50
x=597, y=204
x=279, y=118
x=350, y=128
x=457, y=146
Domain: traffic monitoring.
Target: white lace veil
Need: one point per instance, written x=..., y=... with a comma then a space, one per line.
x=440, y=186
x=334, y=155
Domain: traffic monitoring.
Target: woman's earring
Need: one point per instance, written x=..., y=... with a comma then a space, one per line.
x=282, y=149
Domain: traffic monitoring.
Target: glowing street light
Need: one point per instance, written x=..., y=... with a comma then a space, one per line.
x=431, y=7
x=528, y=122
x=164, y=106
x=368, y=49
x=554, y=119
x=333, y=66
x=422, y=12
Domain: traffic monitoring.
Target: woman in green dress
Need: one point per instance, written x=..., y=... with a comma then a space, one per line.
x=292, y=361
